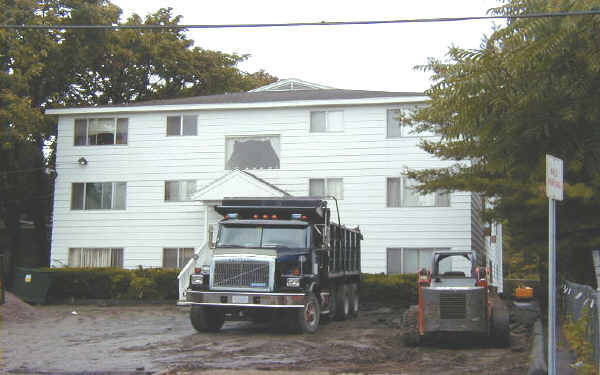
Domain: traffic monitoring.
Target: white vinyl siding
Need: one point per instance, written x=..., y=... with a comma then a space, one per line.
x=361, y=155
x=179, y=191
x=182, y=125
x=177, y=257
x=96, y=257
x=100, y=131
x=401, y=193
x=326, y=121
x=322, y=187
x=99, y=196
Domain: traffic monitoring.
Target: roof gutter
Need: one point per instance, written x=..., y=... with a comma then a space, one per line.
x=217, y=106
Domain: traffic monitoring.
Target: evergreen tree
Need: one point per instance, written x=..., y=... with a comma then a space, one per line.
x=531, y=89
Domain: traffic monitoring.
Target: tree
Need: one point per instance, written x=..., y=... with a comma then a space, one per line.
x=45, y=68
x=531, y=89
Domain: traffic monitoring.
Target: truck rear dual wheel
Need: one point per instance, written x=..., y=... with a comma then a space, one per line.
x=354, y=300
x=206, y=318
x=306, y=319
x=342, y=302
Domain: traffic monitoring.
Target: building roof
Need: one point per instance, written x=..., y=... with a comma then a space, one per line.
x=278, y=94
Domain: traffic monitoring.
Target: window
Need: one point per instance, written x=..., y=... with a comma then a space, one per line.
x=179, y=191
x=398, y=126
x=96, y=257
x=182, y=125
x=326, y=121
x=252, y=152
x=177, y=257
x=101, y=131
x=401, y=193
x=321, y=187
x=99, y=196
x=411, y=260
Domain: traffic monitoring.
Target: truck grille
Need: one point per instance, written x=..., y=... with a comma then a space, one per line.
x=249, y=274
x=453, y=306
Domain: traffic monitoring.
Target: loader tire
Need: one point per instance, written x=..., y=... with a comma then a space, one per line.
x=410, y=321
x=500, y=322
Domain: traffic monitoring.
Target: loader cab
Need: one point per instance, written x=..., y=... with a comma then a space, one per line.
x=454, y=268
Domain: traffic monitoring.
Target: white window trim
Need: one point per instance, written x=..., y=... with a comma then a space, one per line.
x=180, y=200
x=326, y=111
x=98, y=248
x=179, y=251
x=402, y=270
x=404, y=132
x=87, y=125
x=325, y=181
x=402, y=181
x=112, y=196
x=246, y=136
x=180, y=126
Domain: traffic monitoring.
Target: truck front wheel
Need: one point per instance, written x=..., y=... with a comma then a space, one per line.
x=354, y=300
x=206, y=319
x=306, y=319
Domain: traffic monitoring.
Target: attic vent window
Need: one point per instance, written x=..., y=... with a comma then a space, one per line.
x=260, y=152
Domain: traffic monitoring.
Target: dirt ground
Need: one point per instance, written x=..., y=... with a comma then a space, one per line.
x=160, y=339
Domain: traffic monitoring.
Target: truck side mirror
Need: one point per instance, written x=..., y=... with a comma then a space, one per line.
x=211, y=236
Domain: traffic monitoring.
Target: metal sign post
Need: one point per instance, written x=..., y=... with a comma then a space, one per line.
x=554, y=192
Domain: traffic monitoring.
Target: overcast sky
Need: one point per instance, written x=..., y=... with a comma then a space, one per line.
x=365, y=57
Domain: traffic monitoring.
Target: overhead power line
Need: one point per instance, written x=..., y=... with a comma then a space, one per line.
x=295, y=24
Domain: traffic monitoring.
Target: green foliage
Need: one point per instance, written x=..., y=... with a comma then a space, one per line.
x=389, y=289
x=112, y=283
x=531, y=89
x=42, y=69
x=578, y=336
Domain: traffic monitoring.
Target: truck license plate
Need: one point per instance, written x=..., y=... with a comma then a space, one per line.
x=239, y=299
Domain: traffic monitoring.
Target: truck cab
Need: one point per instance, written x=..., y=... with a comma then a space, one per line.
x=277, y=258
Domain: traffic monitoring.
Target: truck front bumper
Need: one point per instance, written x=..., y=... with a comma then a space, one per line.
x=243, y=299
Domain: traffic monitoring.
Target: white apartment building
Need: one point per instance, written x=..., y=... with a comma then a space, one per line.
x=136, y=182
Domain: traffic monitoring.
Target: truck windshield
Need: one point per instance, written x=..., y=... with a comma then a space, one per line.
x=247, y=236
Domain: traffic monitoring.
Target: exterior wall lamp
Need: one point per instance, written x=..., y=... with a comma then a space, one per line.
x=82, y=161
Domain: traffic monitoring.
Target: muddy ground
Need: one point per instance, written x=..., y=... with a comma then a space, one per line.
x=159, y=338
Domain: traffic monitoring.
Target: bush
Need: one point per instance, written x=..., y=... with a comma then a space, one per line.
x=389, y=289
x=112, y=283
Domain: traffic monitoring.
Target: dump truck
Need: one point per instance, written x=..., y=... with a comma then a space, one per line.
x=456, y=301
x=277, y=258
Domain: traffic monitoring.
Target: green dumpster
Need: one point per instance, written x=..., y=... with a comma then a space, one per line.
x=32, y=284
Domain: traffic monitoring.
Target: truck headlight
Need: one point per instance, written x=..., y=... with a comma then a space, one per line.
x=293, y=282
x=197, y=279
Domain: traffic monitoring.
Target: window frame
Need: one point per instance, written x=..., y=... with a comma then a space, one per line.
x=180, y=254
x=402, y=262
x=252, y=136
x=179, y=181
x=404, y=131
x=120, y=257
x=87, y=131
x=181, y=116
x=112, y=197
x=402, y=185
x=326, y=186
x=326, y=112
